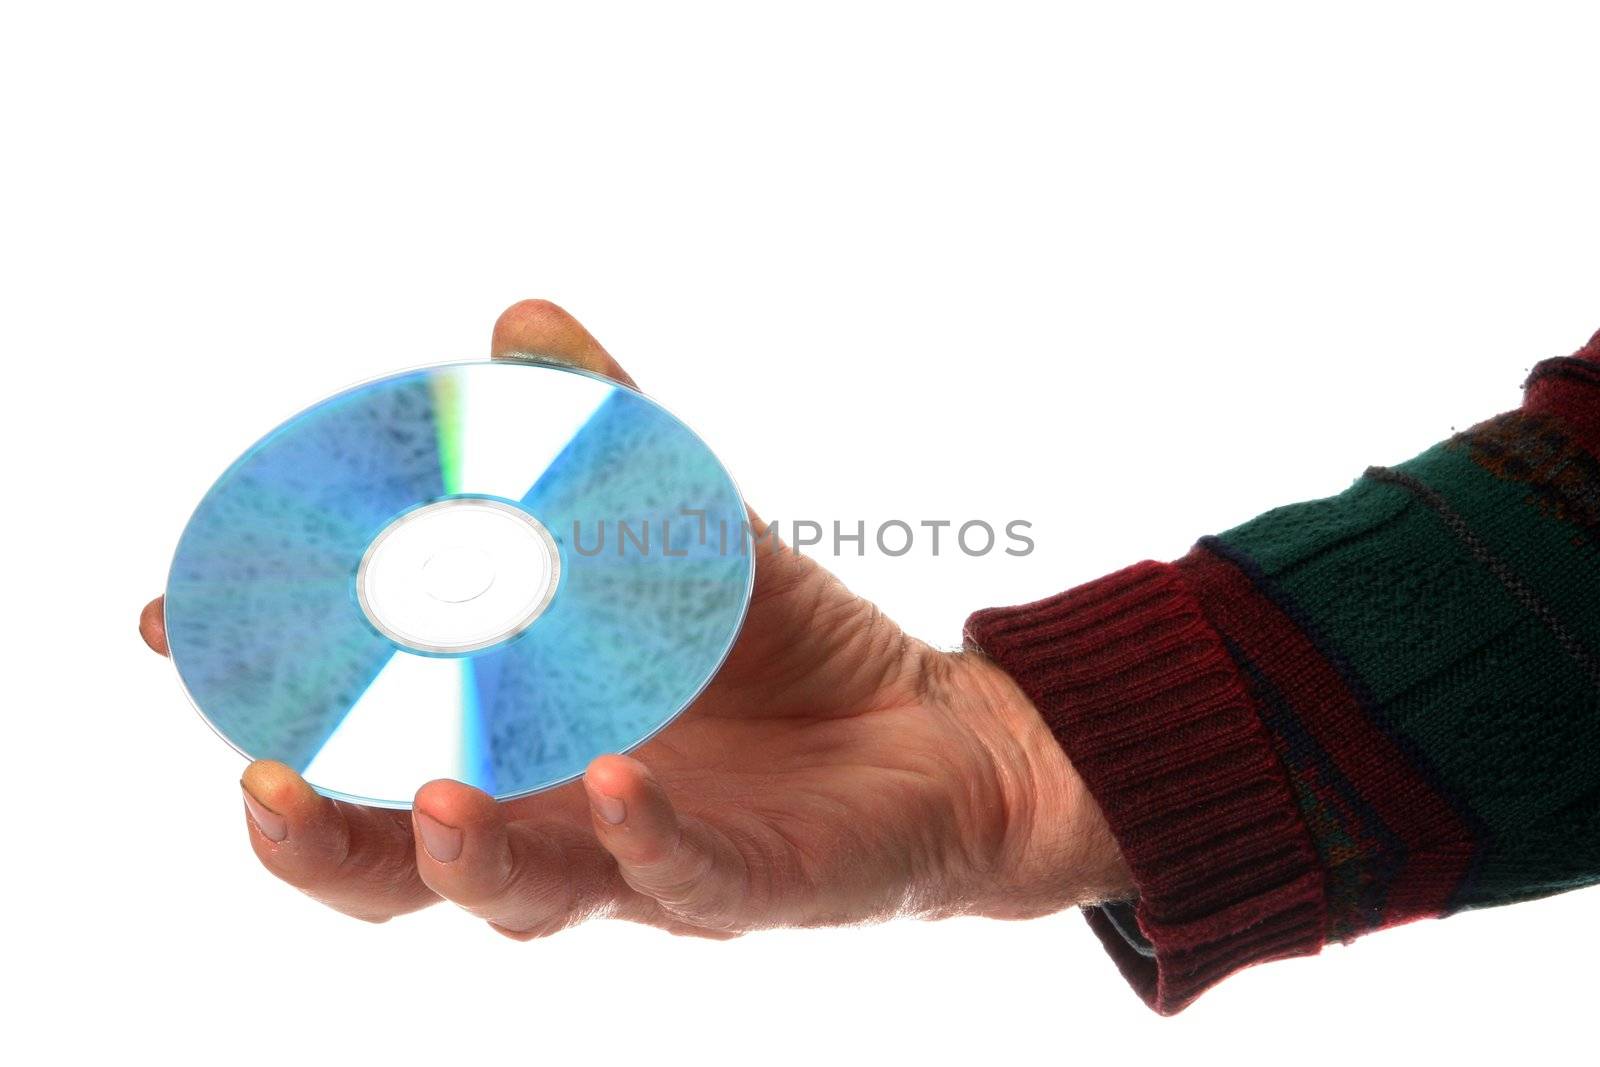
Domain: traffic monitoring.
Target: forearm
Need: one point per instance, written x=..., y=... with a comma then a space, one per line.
x=1348, y=713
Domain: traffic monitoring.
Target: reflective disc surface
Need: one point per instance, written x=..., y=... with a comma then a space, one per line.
x=492, y=572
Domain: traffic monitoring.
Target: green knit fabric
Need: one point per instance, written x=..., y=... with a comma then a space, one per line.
x=1461, y=610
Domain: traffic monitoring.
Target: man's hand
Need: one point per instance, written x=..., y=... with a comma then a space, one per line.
x=836, y=771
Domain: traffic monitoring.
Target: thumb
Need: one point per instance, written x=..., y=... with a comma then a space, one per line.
x=153, y=625
x=690, y=868
x=539, y=329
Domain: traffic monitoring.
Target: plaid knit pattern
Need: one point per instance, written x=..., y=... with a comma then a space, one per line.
x=1347, y=713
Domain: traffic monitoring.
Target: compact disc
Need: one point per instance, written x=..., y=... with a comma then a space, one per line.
x=492, y=572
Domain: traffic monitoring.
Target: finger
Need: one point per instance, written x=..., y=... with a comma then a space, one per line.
x=354, y=859
x=540, y=329
x=524, y=878
x=691, y=869
x=153, y=625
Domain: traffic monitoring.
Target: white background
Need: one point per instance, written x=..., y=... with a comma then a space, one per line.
x=1133, y=275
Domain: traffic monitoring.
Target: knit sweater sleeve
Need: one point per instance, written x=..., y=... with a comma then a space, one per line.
x=1348, y=713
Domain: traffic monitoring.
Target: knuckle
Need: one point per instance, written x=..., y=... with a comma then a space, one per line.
x=696, y=891
x=531, y=932
x=303, y=869
x=703, y=932
x=467, y=889
x=547, y=896
x=675, y=880
x=375, y=916
x=527, y=884
x=719, y=919
x=380, y=869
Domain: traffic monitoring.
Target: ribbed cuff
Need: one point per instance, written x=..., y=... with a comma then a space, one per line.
x=1142, y=694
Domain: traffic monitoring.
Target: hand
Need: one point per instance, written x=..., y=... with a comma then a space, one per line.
x=836, y=771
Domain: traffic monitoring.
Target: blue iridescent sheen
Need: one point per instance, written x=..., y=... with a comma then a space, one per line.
x=273, y=648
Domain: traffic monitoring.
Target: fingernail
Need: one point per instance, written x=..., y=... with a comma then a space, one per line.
x=273, y=827
x=442, y=842
x=610, y=809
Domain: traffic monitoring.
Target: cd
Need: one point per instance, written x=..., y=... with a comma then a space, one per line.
x=492, y=572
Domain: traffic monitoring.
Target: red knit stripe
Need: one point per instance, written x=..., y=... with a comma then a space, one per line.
x=1435, y=838
x=1148, y=705
x=1573, y=399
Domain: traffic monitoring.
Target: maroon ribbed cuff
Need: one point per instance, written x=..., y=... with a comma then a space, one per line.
x=1149, y=706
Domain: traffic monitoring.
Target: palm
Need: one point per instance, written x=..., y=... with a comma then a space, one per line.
x=814, y=732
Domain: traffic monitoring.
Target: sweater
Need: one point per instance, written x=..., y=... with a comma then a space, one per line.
x=1348, y=713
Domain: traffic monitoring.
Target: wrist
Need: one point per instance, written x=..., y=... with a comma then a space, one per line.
x=1048, y=846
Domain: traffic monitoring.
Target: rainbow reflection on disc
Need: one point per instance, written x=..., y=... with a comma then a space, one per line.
x=491, y=572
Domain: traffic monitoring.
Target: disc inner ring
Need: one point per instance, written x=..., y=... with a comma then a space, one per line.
x=458, y=575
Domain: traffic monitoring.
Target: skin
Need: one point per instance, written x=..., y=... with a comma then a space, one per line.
x=837, y=771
